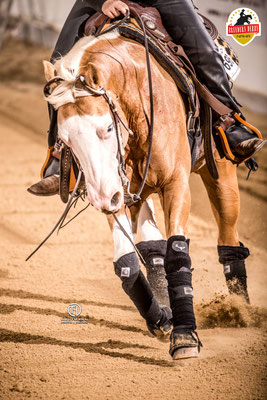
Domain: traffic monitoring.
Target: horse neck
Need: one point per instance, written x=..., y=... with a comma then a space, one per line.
x=122, y=66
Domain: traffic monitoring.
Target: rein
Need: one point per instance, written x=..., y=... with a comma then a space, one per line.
x=130, y=197
x=61, y=220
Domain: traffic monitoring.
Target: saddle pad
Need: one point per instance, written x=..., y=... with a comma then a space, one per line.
x=230, y=60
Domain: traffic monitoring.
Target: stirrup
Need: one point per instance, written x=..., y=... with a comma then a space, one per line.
x=225, y=144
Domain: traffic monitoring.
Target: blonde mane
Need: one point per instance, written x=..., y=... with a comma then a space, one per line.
x=67, y=68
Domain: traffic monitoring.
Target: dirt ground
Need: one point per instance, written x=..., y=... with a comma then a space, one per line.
x=112, y=356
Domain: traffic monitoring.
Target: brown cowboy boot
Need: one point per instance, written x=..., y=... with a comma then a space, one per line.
x=45, y=187
x=249, y=147
x=49, y=185
x=242, y=142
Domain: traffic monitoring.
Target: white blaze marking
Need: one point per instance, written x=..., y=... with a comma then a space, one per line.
x=96, y=149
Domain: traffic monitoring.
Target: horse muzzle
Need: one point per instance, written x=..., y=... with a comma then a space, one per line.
x=105, y=203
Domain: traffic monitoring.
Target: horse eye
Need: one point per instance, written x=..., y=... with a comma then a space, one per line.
x=110, y=128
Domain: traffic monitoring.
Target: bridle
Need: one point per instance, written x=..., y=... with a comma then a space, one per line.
x=128, y=196
x=117, y=121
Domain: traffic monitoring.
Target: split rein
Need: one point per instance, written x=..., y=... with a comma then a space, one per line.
x=129, y=197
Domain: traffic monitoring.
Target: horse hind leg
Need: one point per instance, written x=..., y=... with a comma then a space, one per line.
x=153, y=250
x=224, y=197
x=134, y=283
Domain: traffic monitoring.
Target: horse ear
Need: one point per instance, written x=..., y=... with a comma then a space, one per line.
x=93, y=76
x=49, y=70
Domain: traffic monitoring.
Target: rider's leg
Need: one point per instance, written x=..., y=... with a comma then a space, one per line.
x=186, y=28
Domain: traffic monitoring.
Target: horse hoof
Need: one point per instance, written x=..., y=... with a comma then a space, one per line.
x=185, y=352
x=163, y=329
x=163, y=334
x=184, y=343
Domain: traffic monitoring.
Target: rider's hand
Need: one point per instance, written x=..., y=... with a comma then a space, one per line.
x=113, y=8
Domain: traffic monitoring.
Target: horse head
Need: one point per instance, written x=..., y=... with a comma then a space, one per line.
x=85, y=122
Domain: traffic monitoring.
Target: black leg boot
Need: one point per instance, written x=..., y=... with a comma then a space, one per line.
x=135, y=285
x=233, y=260
x=184, y=340
x=153, y=253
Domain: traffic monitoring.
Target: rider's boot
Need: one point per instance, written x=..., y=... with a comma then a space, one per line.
x=233, y=260
x=240, y=140
x=49, y=185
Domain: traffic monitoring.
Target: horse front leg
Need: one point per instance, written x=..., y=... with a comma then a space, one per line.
x=176, y=202
x=153, y=249
x=225, y=202
x=134, y=283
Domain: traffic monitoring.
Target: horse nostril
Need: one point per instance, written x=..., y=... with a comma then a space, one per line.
x=115, y=199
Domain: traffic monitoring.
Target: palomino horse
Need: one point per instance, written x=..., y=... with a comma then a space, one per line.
x=86, y=125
